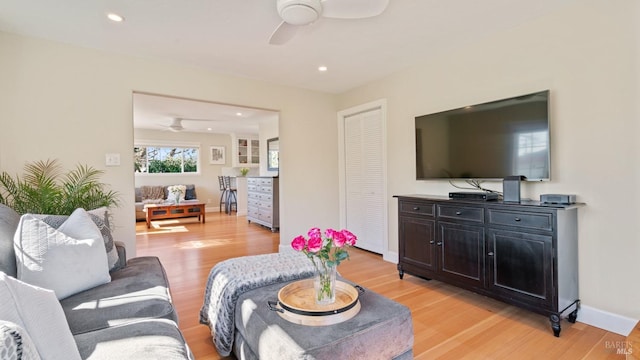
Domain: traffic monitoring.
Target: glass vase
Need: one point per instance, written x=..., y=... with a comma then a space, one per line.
x=325, y=285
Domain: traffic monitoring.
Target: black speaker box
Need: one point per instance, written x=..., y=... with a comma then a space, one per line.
x=511, y=189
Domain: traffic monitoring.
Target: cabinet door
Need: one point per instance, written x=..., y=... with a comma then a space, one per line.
x=255, y=151
x=521, y=267
x=462, y=253
x=246, y=151
x=417, y=242
x=243, y=152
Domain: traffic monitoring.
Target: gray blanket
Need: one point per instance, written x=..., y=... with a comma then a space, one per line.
x=231, y=278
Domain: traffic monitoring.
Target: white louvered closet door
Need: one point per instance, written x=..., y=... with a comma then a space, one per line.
x=364, y=179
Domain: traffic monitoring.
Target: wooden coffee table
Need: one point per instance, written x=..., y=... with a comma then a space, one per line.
x=172, y=211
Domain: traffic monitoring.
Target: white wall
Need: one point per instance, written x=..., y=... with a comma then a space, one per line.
x=75, y=104
x=587, y=56
x=206, y=182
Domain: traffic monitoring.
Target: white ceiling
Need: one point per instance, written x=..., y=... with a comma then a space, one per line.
x=157, y=112
x=231, y=37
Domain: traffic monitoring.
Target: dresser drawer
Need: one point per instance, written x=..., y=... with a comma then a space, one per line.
x=264, y=197
x=253, y=202
x=266, y=205
x=461, y=213
x=418, y=208
x=521, y=219
x=265, y=216
x=264, y=181
x=253, y=213
x=252, y=181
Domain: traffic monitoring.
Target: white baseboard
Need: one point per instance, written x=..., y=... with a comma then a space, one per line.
x=605, y=320
x=589, y=315
x=391, y=257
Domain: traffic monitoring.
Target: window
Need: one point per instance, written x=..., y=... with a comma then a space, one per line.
x=166, y=159
x=533, y=154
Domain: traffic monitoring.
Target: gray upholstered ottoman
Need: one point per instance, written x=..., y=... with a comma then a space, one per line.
x=381, y=330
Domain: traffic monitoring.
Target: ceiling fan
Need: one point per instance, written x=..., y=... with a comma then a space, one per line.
x=176, y=124
x=296, y=13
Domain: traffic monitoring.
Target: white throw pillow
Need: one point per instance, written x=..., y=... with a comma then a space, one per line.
x=40, y=314
x=68, y=260
x=171, y=196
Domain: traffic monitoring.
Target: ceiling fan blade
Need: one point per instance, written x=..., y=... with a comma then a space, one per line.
x=353, y=9
x=283, y=33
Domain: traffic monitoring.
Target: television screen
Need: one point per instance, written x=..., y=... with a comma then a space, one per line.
x=487, y=141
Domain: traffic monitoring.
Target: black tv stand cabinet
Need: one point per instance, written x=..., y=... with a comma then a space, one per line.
x=524, y=254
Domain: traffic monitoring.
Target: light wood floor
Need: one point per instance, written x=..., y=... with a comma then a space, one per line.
x=448, y=322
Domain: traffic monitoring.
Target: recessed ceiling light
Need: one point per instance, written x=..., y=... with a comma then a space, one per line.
x=115, y=17
x=209, y=129
x=238, y=114
x=322, y=68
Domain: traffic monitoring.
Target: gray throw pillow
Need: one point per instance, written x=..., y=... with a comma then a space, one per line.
x=9, y=220
x=190, y=194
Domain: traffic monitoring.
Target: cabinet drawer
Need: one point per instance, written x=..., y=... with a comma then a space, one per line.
x=265, y=205
x=253, y=212
x=461, y=213
x=265, y=189
x=252, y=187
x=521, y=219
x=264, y=182
x=253, y=202
x=252, y=181
x=417, y=208
x=265, y=197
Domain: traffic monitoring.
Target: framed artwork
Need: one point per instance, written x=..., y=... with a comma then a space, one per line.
x=216, y=155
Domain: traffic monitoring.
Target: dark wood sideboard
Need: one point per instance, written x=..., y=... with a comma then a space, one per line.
x=525, y=254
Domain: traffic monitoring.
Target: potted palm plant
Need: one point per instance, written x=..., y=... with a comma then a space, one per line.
x=45, y=188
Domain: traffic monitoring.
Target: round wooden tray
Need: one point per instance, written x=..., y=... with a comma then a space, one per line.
x=296, y=304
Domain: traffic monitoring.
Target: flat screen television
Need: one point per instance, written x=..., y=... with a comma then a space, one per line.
x=488, y=141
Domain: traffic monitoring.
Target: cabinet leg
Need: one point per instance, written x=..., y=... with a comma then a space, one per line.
x=400, y=272
x=555, y=324
x=573, y=316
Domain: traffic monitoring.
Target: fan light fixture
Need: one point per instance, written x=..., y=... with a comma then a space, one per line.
x=295, y=13
x=299, y=12
x=176, y=125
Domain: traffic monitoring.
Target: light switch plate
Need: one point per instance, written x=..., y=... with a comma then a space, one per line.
x=112, y=159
